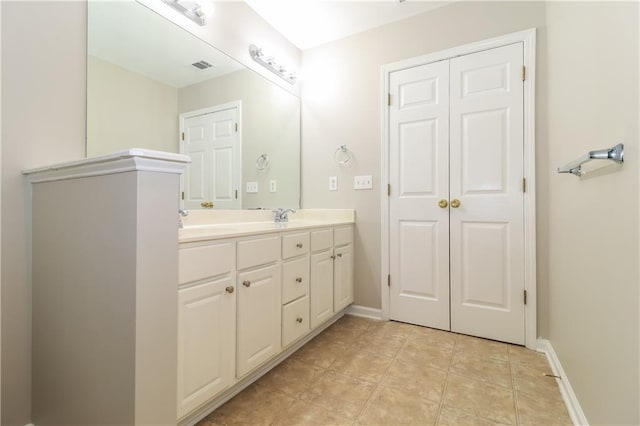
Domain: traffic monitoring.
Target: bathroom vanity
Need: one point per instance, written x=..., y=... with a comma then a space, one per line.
x=251, y=293
x=138, y=322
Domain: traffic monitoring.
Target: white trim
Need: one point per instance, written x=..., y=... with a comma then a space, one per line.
x=134, y=159
x=364, y=312
x=528, y=38
x=568, y=395
x=196, y=416
x=209, y=110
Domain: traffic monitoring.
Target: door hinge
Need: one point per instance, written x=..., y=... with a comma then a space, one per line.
x=183, y=195
x=525, y=297
x=182, y=135
x=389, y=280
x=389, y=99
x=236, y=193
x=236, y=127
x=524, y=184
x=388, y=190
x=524, y=73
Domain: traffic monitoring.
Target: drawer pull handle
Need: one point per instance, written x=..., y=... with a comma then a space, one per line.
x=299, y=320
x=299, y=245
x=339, y=254
x=246, y=283
x=299, y=279
x=229, y=289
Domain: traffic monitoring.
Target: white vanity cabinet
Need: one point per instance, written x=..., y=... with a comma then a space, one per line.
x=206, y=323
x=247, y=302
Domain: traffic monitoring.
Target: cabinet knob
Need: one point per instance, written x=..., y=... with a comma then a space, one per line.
x=299, y=245
x=229, y=289
x=299, y=320
x=246, y=283
x=339, y=254
x=299, y=279
x=333, y=257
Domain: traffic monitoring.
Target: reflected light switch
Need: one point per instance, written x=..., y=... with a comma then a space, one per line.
x=252, y=187
x=273, y=187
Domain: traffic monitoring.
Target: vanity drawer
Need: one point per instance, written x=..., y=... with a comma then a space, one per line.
x=321, y=239
x=295, y=244
x=295, y=279
x=295, y=320
x=342, y=235
x=196, y=263
x=258, y=251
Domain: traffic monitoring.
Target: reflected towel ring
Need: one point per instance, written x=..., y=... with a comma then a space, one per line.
x=343, y=155
x=262, y=162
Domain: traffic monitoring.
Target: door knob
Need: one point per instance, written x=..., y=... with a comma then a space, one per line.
x=455, y=203
x=229, y=289
x=443, y=204
x=206, y=205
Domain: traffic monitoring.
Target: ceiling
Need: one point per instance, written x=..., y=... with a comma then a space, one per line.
x=309, y=23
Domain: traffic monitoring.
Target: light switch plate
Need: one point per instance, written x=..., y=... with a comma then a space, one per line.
x=273, y=185
x=252, y=187
x=363, y=182
x=333, y=183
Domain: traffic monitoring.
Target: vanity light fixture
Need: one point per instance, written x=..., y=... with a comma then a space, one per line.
x=190, y=9
x=271, y=64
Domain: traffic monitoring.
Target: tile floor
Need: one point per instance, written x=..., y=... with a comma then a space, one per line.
x=361, y=372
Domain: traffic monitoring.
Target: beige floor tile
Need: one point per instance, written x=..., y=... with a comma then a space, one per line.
x=303, y=413
x=256, y=405
x=417, y=379
x=362, y=365
x=488, y=370
x=396, y=407
x=341, y=335
x=381, y=345
x=535, y=383
x=482, y=348
x=433, y=336
x=540, y=411
x=391, y=328
x=319, y=353
x=425, y=354
x=523, y=357
x=292, y=377
x=343, y=395
x=355, y=322
x=450, y=416
x=480, y=399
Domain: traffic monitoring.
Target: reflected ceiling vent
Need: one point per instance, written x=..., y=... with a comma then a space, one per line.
x=203, y=65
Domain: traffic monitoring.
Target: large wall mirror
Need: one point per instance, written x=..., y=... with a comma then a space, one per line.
x=151, y=84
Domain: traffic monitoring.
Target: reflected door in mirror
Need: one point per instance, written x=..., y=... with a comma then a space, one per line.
x=211, y=139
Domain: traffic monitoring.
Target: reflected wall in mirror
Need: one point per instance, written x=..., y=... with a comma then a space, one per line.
x=154, y=85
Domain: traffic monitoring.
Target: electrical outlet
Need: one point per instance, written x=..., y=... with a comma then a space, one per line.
x=252, y=187
x=273, y=186
x=363, y=182
x=333, y=183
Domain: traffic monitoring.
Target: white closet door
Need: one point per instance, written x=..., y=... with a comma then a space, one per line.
x=214, y=173
x=419, y=178
x=487, y=229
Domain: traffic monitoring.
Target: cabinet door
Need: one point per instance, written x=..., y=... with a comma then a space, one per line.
x=343, y=278
x=206, y=342
x=259, y=317
x=321, y=291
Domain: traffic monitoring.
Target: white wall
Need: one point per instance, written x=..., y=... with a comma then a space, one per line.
x=342, y=101
x=593, y=222
x=127, y=109
x=43, y=109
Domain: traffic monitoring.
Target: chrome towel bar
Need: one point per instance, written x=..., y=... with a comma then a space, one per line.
x=575, y=167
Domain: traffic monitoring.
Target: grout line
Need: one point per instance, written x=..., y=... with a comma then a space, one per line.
x=446, y=381
x=513, y=388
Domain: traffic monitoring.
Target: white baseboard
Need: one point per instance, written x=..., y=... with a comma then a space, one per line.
x=365, y=312
x=568, y=395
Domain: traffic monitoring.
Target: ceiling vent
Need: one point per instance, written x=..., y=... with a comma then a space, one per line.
x=203, y=65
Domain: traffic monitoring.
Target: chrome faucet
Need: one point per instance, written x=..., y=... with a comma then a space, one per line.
x=181, y=214
x=282, y=215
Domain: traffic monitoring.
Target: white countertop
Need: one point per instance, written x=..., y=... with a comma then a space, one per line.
x=223, y=227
